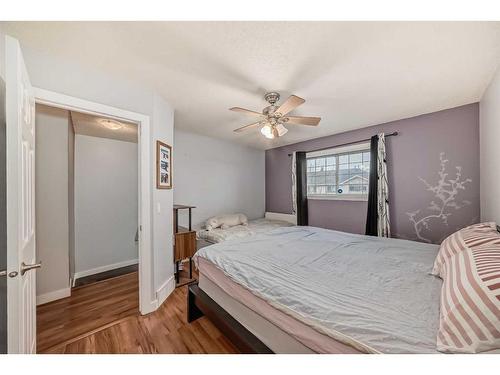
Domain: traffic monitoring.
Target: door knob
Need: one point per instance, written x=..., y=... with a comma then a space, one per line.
x=28, y=267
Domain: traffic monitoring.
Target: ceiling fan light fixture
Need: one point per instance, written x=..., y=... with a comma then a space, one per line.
x=276, y=134
x=267, y=131
x=274, y=116
x=281, y=130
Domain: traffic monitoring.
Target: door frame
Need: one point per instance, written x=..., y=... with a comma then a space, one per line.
x=147, y=298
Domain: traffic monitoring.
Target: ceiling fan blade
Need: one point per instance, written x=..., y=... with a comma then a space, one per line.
x=246, y=111
x=301, y=120
x=290, y=104
x=247, y=127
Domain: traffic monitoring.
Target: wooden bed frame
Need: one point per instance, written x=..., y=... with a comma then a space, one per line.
x=199, y=304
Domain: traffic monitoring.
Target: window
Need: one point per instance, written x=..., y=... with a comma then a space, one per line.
x=339, y=173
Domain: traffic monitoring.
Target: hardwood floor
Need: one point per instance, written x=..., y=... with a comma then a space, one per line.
x=104, y=318
x=89, y=308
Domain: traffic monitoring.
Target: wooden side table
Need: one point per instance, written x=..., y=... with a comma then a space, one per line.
x=184, y=244
x=202, y=243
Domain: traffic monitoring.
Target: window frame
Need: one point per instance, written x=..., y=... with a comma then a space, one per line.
x=337, y=152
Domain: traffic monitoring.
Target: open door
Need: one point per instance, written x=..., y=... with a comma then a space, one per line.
x=21, y=280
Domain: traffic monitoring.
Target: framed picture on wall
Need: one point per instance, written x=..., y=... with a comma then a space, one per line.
x=163, y=166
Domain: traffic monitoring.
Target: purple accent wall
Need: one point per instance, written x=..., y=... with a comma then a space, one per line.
x=413, y=154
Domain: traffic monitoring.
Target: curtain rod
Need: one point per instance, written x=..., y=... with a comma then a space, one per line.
x=349, y=143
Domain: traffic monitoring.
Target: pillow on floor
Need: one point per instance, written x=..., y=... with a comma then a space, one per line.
x=473, y=235
x=469, y=318
x=226, y=221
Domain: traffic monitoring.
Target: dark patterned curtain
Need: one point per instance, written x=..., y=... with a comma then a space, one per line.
x=372, y=214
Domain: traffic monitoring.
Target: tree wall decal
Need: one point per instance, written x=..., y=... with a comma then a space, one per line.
x=445, y=202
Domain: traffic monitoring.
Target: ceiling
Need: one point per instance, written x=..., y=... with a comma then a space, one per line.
x=86, y=124
x=352, y=74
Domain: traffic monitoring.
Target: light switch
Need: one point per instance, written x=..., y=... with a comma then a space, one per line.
x=158, y=207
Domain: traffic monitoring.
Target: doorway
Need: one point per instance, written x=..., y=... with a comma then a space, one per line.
x=87, y=231
x=147, y=299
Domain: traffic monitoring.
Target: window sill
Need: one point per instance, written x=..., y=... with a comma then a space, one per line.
x=350, y=197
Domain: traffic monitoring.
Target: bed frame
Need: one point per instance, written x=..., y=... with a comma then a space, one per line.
x=200, y=304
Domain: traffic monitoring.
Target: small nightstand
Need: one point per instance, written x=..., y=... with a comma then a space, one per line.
x=184, y=244
x=200, y=243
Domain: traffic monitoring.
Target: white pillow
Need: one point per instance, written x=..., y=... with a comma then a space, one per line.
x=226, y=221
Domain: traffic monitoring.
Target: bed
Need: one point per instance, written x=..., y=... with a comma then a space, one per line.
x=259, y=226
x=312, y=290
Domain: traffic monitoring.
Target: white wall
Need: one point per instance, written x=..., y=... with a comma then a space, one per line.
x=52, y=231
x=217, y=177
x=69, y=77
x=162, y=212
x=489, y=133
x=106, y=206
x=2, y=53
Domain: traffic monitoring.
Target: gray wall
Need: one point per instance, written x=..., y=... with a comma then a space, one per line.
x=106, y=208
x=52, y=212
x=217, y=177
x=412, y=155
x=490, y=151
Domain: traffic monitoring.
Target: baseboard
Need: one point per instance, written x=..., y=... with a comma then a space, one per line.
x=165, y=290
x=109, y=267
x=52, y=296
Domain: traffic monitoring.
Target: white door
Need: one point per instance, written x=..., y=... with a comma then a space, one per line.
x=21, y=281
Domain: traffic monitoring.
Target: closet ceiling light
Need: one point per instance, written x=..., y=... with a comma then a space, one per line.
x=110, y=124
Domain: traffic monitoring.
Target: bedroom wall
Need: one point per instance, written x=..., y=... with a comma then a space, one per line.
x=412, y=155
x=489, y=131
x=217, y=177
x=163, y=201
x=2, y=53
x=106, y=205
x=52, y=221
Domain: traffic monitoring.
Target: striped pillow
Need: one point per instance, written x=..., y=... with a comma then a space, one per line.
x=470, y=297
x=473, y=235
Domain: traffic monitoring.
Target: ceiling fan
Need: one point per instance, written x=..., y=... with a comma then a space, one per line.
x=274, y=117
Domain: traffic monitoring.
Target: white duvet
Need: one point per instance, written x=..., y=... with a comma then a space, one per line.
x=239, y=231
x=373, y=293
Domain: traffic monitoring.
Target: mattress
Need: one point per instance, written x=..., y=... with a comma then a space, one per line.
x=258, y=226
x=372, y=294
x=280, y=332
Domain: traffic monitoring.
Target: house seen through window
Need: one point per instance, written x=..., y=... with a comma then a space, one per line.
x=339, y=173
